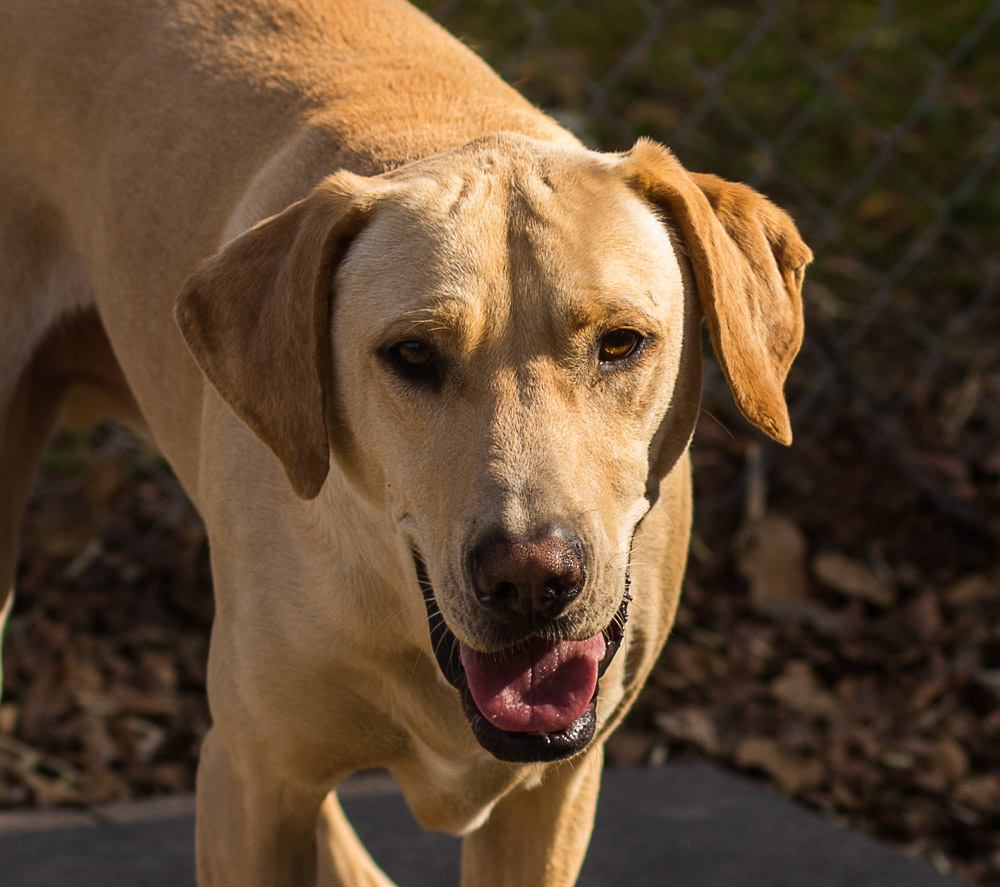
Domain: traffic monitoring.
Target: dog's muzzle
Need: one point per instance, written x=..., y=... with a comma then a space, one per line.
x=535, y=700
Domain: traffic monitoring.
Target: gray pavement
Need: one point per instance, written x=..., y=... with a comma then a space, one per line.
x=684, y=825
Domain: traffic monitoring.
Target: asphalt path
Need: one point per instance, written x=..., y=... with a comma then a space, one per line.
x=683, y=825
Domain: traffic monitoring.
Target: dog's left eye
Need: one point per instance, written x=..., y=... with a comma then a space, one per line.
x=416, y=355
x=619, y=345
x=413, y=357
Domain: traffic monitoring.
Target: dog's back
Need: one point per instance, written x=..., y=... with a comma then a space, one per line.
x=205, y=92
x=139, y=137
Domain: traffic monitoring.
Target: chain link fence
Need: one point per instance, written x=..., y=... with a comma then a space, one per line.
x=877, y=125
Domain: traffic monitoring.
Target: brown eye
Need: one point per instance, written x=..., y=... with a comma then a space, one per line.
x=619, y=345
x=413, y=356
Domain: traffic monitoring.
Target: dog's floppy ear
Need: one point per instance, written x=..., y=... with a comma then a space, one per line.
x=256, y=318
x=748, y=262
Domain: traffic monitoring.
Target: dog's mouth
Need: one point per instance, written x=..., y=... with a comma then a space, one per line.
x=535, y=700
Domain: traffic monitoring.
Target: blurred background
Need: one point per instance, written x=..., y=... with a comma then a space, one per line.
x=839, y=636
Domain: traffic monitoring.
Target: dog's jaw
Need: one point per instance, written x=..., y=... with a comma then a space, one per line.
x=511, y=746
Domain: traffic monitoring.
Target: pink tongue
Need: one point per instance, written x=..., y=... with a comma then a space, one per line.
x=536, y=687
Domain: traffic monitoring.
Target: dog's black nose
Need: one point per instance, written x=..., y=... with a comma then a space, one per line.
x=530, y=577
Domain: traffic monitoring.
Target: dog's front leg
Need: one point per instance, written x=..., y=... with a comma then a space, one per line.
x=252, y=828
x=537, y=836
x=347, y=862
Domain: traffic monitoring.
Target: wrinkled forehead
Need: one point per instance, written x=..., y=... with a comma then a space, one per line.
x=479, y=239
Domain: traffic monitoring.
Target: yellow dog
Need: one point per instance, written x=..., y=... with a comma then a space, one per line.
x=427, y=367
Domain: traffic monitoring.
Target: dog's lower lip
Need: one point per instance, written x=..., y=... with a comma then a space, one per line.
x=505, y=745
x=443, y=642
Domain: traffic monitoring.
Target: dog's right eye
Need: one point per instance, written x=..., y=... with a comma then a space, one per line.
x=413, y=357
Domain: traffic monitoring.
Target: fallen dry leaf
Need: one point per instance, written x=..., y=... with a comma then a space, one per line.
x=798, y=688
x=950, y=759
x=980, y=793
x=793, y=772
x=690, y=725
x=10, y=713
x=773, y=560
x=852, y=578
x=970, y=589
x=922, y=616
x=629, y=748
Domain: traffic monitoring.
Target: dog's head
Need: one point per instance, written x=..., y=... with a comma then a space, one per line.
x=500, y=346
